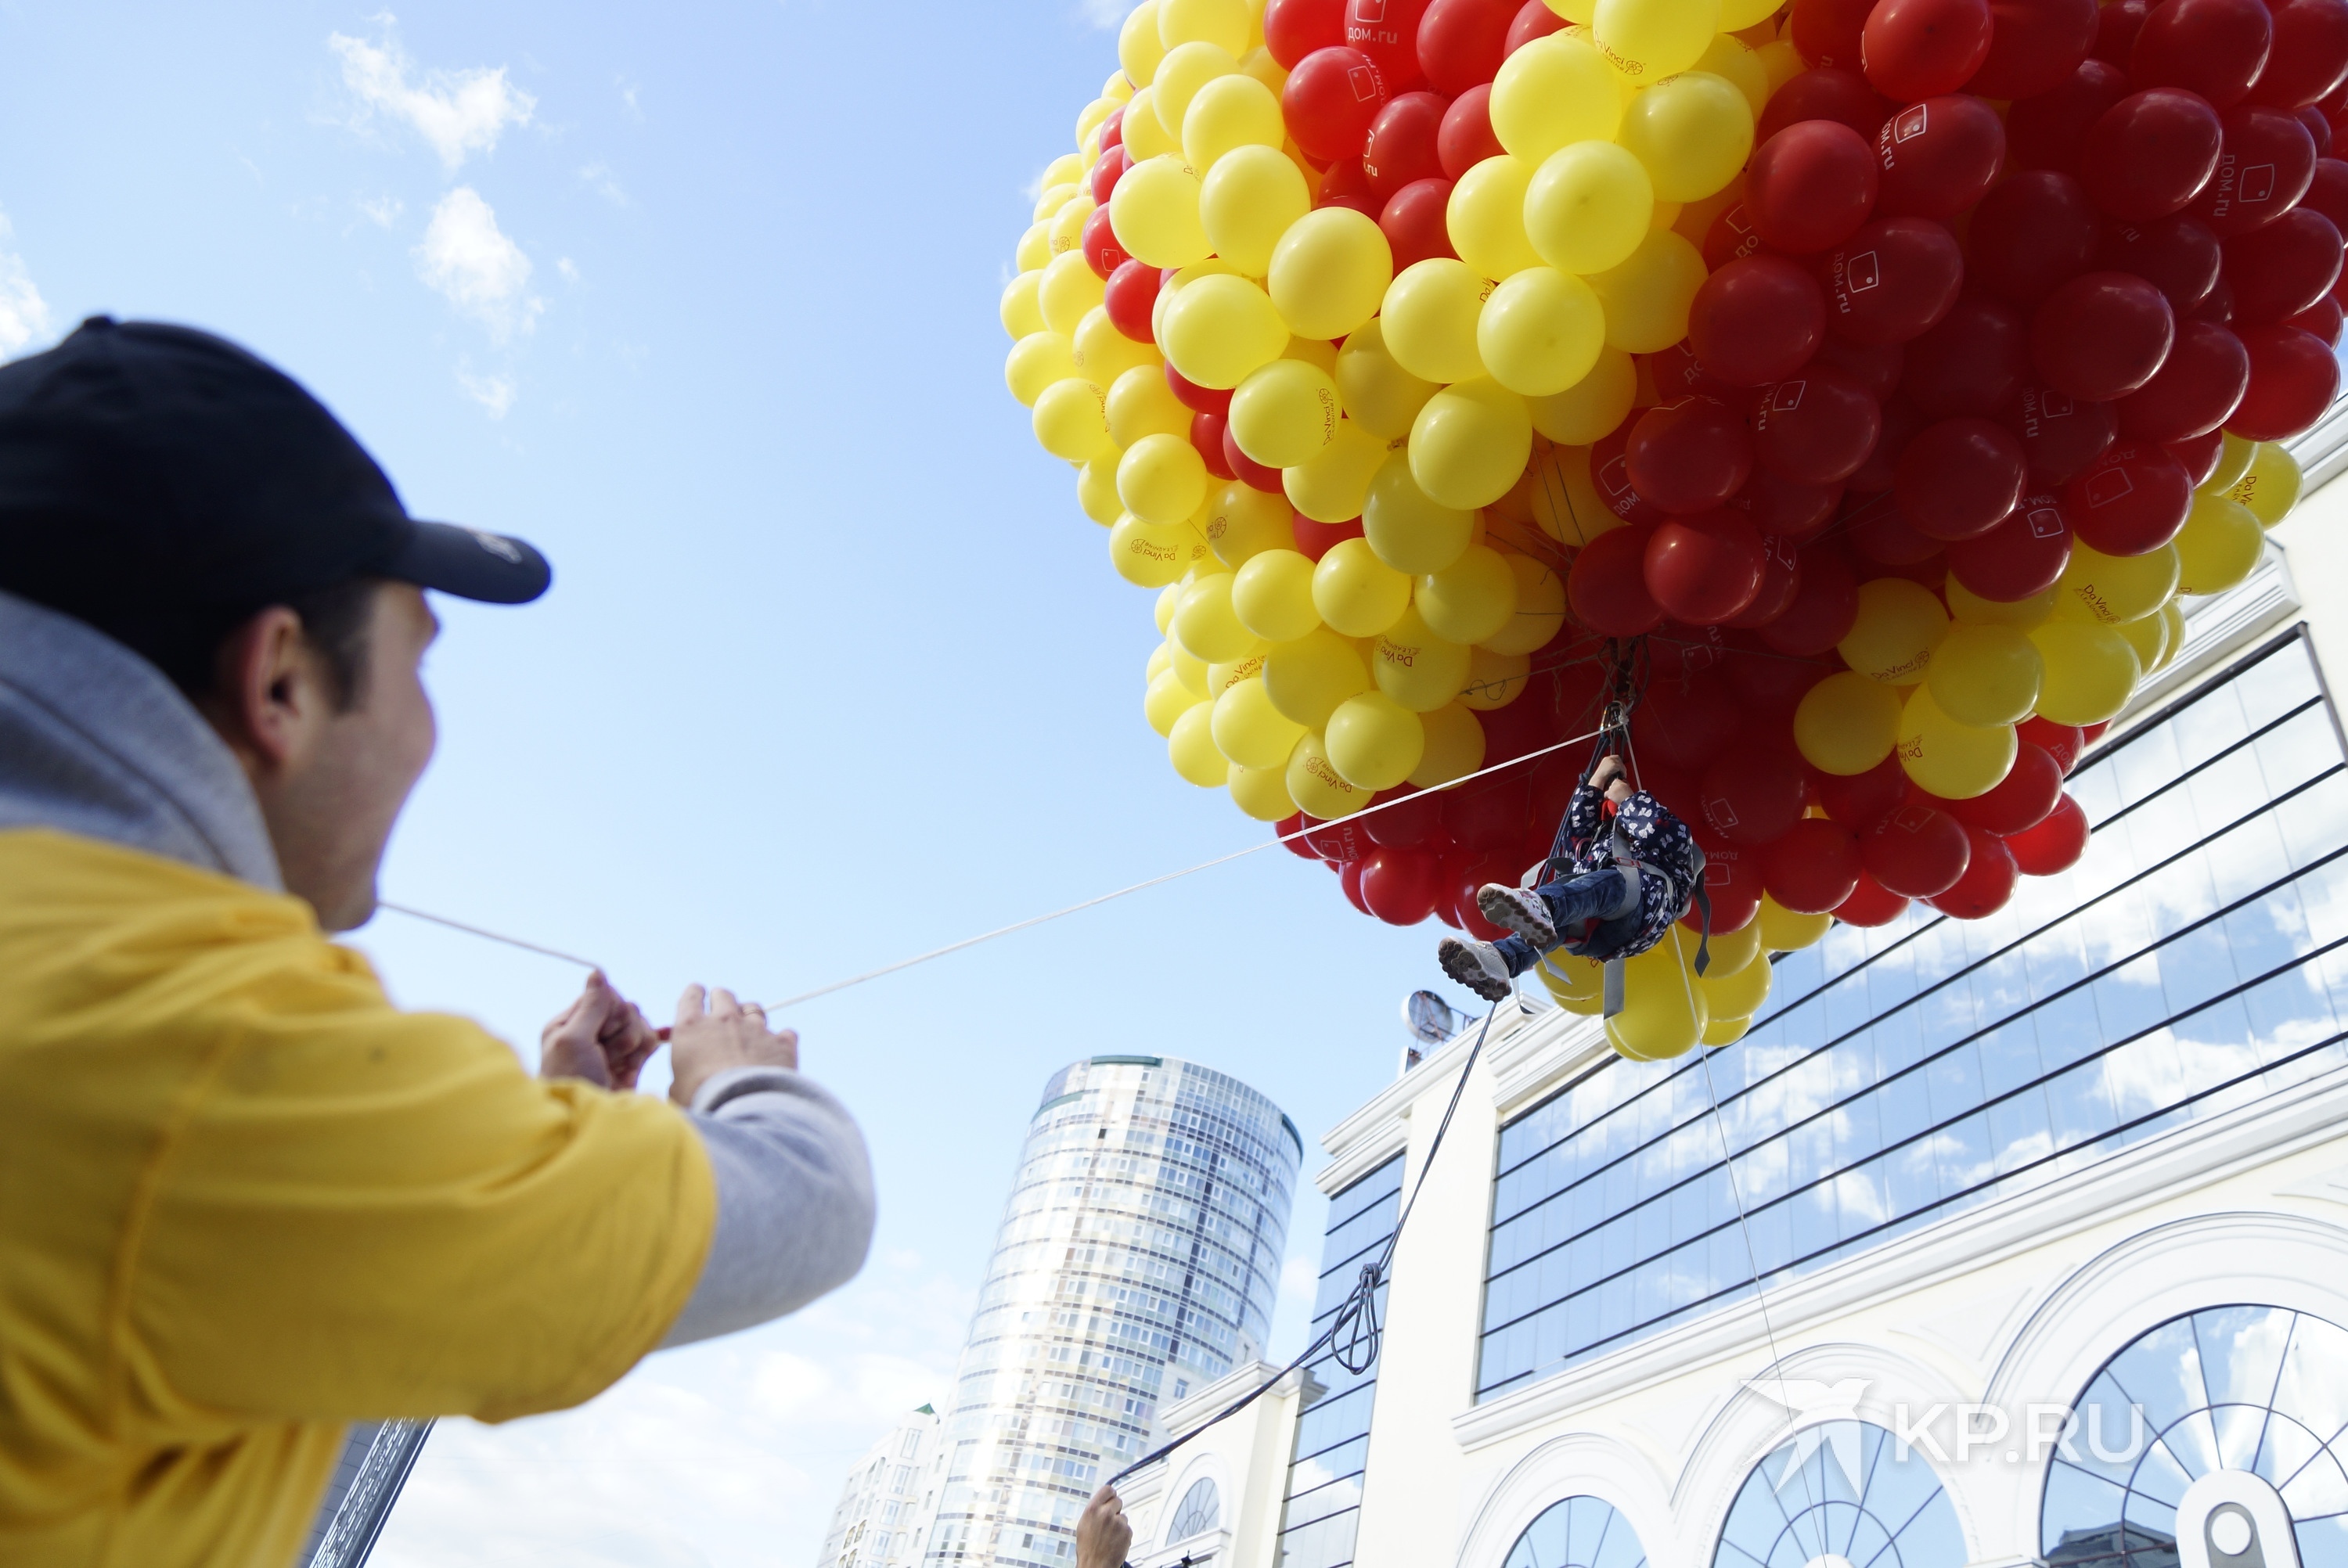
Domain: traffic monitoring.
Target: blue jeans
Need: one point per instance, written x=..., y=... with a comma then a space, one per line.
x=1570, y=902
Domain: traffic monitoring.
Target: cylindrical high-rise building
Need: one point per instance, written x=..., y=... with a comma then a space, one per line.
x=1137, y=1263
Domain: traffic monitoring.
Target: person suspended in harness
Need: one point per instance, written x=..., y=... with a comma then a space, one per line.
x=1621, y=871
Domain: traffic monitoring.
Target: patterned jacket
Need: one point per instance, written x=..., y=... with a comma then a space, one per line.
x=1656, y=838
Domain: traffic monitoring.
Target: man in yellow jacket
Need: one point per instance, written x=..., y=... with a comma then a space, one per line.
x=246, y=1203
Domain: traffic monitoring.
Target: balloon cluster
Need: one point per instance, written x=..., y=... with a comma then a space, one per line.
x=1868, y=378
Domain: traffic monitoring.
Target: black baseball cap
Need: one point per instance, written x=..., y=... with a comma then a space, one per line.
x=162, y=485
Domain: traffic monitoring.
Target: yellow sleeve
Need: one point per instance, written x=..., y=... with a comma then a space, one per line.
x=365, y=1214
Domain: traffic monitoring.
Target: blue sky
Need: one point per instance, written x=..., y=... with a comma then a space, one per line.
x=702, y=299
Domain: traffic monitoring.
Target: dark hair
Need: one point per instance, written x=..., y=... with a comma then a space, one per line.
x=336, y=621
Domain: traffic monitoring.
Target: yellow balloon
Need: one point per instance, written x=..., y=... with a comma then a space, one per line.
x=1273, y=595
x=1258, y=62
x=1469, y=444
x=1592, y=408
x=1067, y=229
x=2269, y=486
x=1172, y=290
x=1149, y=554
x=1056, y=196
x=1738, y=992
x=1089, y=119
x=1373, y=741
x=1329, y=272
x=1070, y=422
x=1429, y=321
x=1248, y=200
x=1220, y=22
x=1036, y=361
x=2020, y=613
x=1102, y=354
x=1470, y=600
x=1495, y=680
x=1379, y=395
x=1168, y=597
x=1141, y=403
x=1155, y=212
x=1647, y=40
x=1034, y=247
x=1120, y=87
x=2234, y=458
x=2172, y=614
x=1693, y=131
x=1542, y=332
x=1455, y=747
x=1732, y=950
x=1735, y=16
x=1188, y=668
x=1899, y=623
x=1021, y=313
x=1221, y=677
x=1307, y=678
x=1207, y=624
x=1217, y=329
x=1847, y=723
x=1356, y=592
x=1138, y=49
x=1097, y=489
x=1243, y=521
x=2218, y=546
x=1663, y=1010
x=1317, y=787
x=1250, y=731
x=1146, y=136
x=1331, y=487
x=1953, y=761
x=1485, y=217
x=1985, y=675
x=1540, y=607
x=2095, y=587
x=1227, y=114
x=1410, y=530
x=1261, y=793
x=1589, y=206
x=1648, y=296
x=1417, y=668
x=2091, y=672
x=1160, y=479
x=1551, y=93
x=1284, y=413
x=1576, y=985
x=1186, y=69
x=2149, y=637
x=1739, y=64
x=1315, y=352
x=1167, y=700
x=1783, y=931
x=1190, y=747
x=1563, y=502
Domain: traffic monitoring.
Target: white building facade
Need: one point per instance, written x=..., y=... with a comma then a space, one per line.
x=2049, y=1213
x=885, y=1502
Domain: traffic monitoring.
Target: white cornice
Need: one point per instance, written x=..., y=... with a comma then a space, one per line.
x=1381, y=1128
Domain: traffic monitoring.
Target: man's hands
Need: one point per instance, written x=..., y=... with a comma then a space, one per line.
x=1609, y=776
x=604, y=1038
x=714, y=1036
x=601, y=1038
x=1104, y=1533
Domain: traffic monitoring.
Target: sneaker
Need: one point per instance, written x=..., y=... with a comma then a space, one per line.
x=1477, y=966
x=1517, y=909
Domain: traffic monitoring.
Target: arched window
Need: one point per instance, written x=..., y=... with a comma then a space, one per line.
x=1842, y=1494
x=1579, y=1532
x=1201, y=1510
x=2232, y=1389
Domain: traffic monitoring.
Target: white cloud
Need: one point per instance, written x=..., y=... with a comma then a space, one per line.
x=383, y=212
x=597, y=177
x=494, y=392
x=469, y=262
x=568, y=267
x=628, y=99
x=1107, y=16
x=24, y=314
x=458, y=112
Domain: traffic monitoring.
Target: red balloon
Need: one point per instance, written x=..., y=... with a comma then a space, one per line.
x=2150, y=154
x=1781, y=579
x=1113, y=129
x=1824, y=609
x=2213, y=48
x=1331, y=97
x=2323, y=321
x=2102, y=335
x=1109, y=168
x=2034, y=47
x=1207, y=437
x=1607, y=587
x=1730, y=237
x=1870, y=904
x=1388, y=32
x=2293, y=379
x=1687, y=456
x=1826, y=93
x=1412, y=220
x=2060, y=434
x=2218, y=307
x=2029, y=789
x=2282, y=268
x=1677, y=372
x=1917, y=852
x=1732, y=879
x=2064, y=742
x=2318, y=127
x=1466, y=138
x=1534, y=20
x=1609, y=475
x=1756, y=320
x=1246, y=469
x=2199, y=454
x=1465, y=872
x=1785, y=507
x=1920, y=48
x=1406, y=818
x=1704, y=569
x=1861, y=801
x=2131, y=500
x=1401, y=146
x=1490, y=814
x=2117, y=29
x=1751, y=797
x=1349, y=878
x=1343, y=840
x=1959, y=478
x=1098, y=242
x=1461, y=42
x=1205, y=399
x=2264, y=167
x=2176, y=255
x=2050, y=130
x=1900, y=423
x=1876, y=365
x=2310, y=56
x=2055, y=845
x=2196, y=389
x=1975, y=359
x=1989, y=878
x=1890, y=280
x=1686, y=723
x=1347, y=183
x=1129, y=296
x=1816, y=427
x=1295, y=28
x=1813, y=867
x=1295, y=822
x=2020, y=558
x=1810, y=186
x=1939, y=155
x=2034, y=231
x=1829, y=32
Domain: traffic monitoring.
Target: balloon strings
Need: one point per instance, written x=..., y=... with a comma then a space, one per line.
x=491, y=935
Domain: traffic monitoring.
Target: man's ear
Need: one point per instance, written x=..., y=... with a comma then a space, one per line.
x=268, y=696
